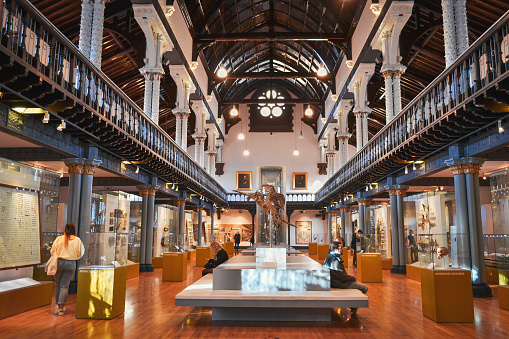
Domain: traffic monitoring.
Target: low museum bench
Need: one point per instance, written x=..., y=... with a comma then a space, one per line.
x=268, y=305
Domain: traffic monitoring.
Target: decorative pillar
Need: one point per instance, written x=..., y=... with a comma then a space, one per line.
x=199, y=132
x=466, y=183
x=330, y=215
x=358, y=129
x=389, y=97
x=454, y=14
x=183, y=129
x=343, y=211
x=152, y=93
x=331, y=162
x=147, y=194
x=199, y=210
x=87, y=14
x=322, y=158
x=91, y=30
x=75, y=171
x=361, y=111
x=182, y=217
x=87, y=179
x=343, y=148
x=397, y=193
x=363, y=222
x=212, y=213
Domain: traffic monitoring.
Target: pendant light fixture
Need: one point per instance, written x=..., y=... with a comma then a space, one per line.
x=234, y=112
x=308, y=112
x=322, y=71
x=222, y=73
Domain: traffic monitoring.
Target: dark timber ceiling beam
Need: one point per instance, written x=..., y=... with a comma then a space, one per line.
x=272, y=101
x=273, y=75
x=270, y=36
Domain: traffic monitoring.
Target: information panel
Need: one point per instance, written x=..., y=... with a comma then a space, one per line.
x=19, y=228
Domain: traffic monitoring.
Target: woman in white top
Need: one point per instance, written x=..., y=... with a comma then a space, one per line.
x=69, y=248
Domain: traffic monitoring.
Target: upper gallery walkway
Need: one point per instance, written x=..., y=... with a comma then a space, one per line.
x=41, y=68
x=465, y=101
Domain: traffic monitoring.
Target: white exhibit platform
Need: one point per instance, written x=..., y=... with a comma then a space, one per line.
x=240, y=289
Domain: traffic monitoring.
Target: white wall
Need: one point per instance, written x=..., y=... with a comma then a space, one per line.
x=317, y=224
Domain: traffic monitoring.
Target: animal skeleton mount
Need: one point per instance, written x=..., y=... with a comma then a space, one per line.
x=271, y=203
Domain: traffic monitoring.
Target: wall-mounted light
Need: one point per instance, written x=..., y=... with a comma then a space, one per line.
x=62, y=125
x=500, y=128
x=222, y=73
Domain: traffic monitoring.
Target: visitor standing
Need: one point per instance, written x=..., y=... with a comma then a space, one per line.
x=236, y=238
x=69, y=248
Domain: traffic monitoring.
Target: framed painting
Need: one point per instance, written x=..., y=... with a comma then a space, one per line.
x=244, y=181
x=302, y=232
x=300, y=181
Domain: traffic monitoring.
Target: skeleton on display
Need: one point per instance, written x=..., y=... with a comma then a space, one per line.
x=441, y=252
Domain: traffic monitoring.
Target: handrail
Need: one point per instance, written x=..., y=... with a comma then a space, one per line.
x=477, y=67
x=27, y=34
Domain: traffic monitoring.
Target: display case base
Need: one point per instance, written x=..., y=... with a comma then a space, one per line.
x=386, y=263
x=323, y=252
x=101, y=292
x=344, y=256
x=229, y=248
x=447, y=295
x=157, y=262
x=503, y=297
x=40, y=275
x=412, y=272
x=202, y=256
x=313, y=248
x=491, y=275
x=369, y=267
x=481, y=291
x=133, y=270
x=191, y=254
x=24, y=299
x=174, y=266
x=146, y=268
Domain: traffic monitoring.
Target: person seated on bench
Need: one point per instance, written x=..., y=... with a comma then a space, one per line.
x=338, y=276
x=219, y=256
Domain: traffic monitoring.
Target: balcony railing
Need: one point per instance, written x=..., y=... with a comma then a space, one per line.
x=40, y=64
x=290, y=197
x=459, y=101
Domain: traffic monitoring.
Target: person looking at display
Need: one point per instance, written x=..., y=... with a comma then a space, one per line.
x=68, y=248
x=338, y=276
x=412, y=245
x=236, y=239
x=219, y=256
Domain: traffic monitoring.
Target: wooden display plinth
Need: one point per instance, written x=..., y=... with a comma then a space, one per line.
x=101, y=292
x=228, y=247
x=503, y=276
x=191, y=254
x=369, y=267
x=202, y=256
x=491, y=275
x=344, y=256
x=313, y=248
x=25, y=299
x=447, y=295
x=157, y=262
x=503, y=297
x=174, y=266
x=413, y=272
x=133, y=270
x=40, y=274
x=323, y=252
x=386, y=263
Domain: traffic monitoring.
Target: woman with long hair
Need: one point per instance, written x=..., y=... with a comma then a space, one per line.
x=219, y=256
x=69, y=248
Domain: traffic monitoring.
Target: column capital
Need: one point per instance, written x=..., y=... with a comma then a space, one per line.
x=90, y=165
x=331, y=154
x=184, y=114
x=198, y=208
x=74, y=165
x=364, y=202
x=199, y=137
x=362, y=114
x=467, y=165
x=344, y=136
x=179, y=202
x=147, y=190
x=211, y=153
x=344, y=209
x=392, y=70
x=396, y=189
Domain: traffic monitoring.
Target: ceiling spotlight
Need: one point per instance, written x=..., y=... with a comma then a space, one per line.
x=500, y=128
x=241, y=136
x=222, y=73
x=321, y=71
x=296, y=152
x=61, y=126
x=308, y=112
x=46, y=118
x=234, y=112
x=246, y=152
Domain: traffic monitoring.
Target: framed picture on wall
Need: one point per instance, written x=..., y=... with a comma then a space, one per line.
x=244, y=180
x=302, y=232
x=300, y=181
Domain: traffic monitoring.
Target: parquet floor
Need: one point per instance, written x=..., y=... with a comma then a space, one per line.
x=394, y=311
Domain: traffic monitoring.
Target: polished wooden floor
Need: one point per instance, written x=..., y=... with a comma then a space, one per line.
x=394, y=311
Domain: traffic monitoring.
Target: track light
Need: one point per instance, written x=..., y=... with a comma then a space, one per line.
x=46, y=118
x=321, y=71
x=137, y=170
x=222, y=73
x=61, y=126
x=308, y=112
x=234, y=112
x=500, y=128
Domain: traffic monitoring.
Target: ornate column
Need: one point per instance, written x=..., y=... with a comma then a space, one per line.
x=331, y=162
x=365, y=135
x=343, y=148
x=322, y=158
x=397, y=193
x=343, y=210
x=363, y=222
x=147, y=194
x=181, y=204
x=212, y=213
x=96, y=43
x=199, y=135
x=468, y=209
x=152, y=92
x=199, y=211
x=389, y=96
x=211, y=153
x=181, y=128
x=454, y=14
x=87, y=179
x=460, y=15
x=358, y=129
x=87, y=13
x=75, y=171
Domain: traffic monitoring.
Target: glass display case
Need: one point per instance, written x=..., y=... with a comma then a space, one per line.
x=105, y=249
x=319, y=238
x=441, y=251
x=47, y=242
x=496, y=251
x=174, y=242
